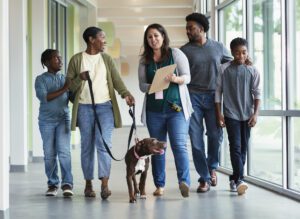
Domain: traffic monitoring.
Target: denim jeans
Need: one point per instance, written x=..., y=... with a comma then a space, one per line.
x=238, y=136
x=56, y=143
x=173, y=123
x=91, y=138
x=204, y=108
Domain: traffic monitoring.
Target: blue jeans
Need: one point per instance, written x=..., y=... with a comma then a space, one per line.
x=173, y=123
x=238, y=136
x=204, y=108
x=56, y=143
x=91, y=138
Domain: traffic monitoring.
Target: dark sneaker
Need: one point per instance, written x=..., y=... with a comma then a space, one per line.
x=67, y=190
x=232, y=186
x=52, y=191
x=241, y=187
x=213, y=176
x=184, y=189
x=105, y=193
x=203, y=187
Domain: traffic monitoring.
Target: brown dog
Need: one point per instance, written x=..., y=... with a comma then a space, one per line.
x=133, y=158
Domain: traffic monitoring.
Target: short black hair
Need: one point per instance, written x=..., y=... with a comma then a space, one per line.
x=47, y=55
x=200, y=19
x=238, y=42
x=90, y=32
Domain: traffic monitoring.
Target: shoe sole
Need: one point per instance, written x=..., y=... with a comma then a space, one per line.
x=184, y=189
x=67, y=193
x=50, y=194
x=242, y=189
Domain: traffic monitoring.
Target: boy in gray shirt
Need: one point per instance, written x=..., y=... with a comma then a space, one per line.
x=238, y=82
x=204, y=55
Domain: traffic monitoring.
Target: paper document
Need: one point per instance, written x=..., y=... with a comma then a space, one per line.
x=159, y=83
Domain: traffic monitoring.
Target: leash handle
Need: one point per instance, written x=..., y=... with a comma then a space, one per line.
x=133, y=126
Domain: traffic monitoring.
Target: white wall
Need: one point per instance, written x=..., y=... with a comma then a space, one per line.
x=4, y=107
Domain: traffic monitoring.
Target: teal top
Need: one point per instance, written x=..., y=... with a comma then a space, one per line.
x=171, y=94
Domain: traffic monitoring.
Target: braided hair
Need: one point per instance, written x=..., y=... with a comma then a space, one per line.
x=47, y=55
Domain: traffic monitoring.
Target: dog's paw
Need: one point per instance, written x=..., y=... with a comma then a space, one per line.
x=132, y=200
x=143, y=196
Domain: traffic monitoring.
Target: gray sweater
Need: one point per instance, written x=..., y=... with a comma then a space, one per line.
x=239, y=85
x=183, y=71
x=204, y=62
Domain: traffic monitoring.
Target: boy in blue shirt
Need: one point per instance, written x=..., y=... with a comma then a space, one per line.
x=238, y=82
x=54, y=123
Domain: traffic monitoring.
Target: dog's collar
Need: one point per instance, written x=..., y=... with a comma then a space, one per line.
x=136, y=154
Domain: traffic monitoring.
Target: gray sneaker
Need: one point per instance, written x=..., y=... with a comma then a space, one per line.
x=241, y=187
x=232, y=186
x=52, y=191
x=67, y=190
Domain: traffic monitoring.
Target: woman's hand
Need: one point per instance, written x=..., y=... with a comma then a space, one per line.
x=174, y=79
x=84, y=75
x=130, y=100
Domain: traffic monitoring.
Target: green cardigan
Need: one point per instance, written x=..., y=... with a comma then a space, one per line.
x=114, y=82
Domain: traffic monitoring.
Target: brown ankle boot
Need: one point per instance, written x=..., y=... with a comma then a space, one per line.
x=88, y=191
x=105, y=192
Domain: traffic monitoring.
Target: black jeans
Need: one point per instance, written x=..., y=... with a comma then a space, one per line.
x=238, y=136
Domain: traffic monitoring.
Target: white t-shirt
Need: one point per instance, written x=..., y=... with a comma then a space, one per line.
x=98, y=74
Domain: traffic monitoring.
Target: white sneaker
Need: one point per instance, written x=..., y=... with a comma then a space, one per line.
x=241, y=187
x=232, y=186
x=52, y=191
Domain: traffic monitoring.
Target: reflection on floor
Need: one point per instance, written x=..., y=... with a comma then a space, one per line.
x=27, y=198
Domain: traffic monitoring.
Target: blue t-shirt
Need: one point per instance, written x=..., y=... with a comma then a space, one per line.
x=57, y=109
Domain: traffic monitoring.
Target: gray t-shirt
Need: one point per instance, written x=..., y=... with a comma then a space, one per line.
x=239, y=85
x=204, y=62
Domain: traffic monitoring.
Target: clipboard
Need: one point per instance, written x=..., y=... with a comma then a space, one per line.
x=159, y=83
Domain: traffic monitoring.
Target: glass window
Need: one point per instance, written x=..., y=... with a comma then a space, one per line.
x=267, y=50
x=294, y=156
x=57, y=29
x=230, y=22
x=208, y=5
x=265, y=150
x=293, y=84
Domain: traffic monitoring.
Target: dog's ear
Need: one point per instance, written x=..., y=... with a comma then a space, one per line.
x=140, y=143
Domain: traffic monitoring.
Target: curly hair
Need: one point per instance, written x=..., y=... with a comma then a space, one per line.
x=200, y=19
x=238, y=41
x=147, y=54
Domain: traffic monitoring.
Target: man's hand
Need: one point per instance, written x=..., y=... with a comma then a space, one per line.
x=221, y=121
x=130, y=100
x=84, y=75
x=252, y=120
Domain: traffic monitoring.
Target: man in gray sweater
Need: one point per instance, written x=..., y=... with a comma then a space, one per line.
x=204, y=55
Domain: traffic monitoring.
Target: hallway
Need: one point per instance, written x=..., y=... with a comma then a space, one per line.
x=27, y=198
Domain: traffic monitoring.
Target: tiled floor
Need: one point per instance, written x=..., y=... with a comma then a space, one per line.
x=27, y=198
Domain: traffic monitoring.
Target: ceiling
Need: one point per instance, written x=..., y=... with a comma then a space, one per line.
x=131, y=16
